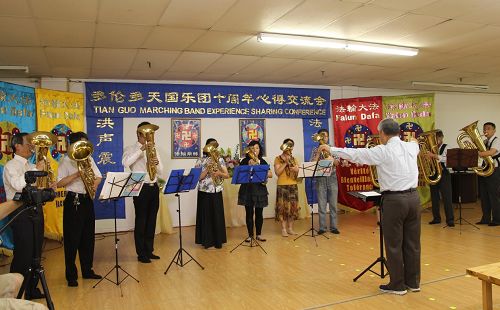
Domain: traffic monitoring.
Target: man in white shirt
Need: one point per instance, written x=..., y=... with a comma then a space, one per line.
x=146, y=205
x=28, y=225
x=397, y=170
x=78, y=216
x=489, y=186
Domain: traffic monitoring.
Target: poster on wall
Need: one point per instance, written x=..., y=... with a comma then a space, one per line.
x=186, y=138
x=252, y=129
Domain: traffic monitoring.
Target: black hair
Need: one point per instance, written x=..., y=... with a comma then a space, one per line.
x=439, y=133
x=77, y=136
x=322, y=130
x=142, y=124
x=288, y=140
x=17, y=139
x=210, y=140
x=255, y=142
x=491, y=124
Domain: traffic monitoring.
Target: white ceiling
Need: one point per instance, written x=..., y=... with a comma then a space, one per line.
x=215, y=40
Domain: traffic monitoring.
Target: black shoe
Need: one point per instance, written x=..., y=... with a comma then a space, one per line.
x=152, y=256
x=91, y=275
x=385, y=288
x=321, y=231
x=35, y=294
x=72, y=283
x=482, y=223
x=335, y=231
x=144, y=259
x=434, y=222
x=450, y=224
x=493, y=224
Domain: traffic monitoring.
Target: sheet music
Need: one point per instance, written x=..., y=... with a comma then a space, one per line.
x=324, y=168
x=370, y=194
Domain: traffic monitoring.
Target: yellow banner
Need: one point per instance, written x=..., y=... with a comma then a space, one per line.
x=60, y=113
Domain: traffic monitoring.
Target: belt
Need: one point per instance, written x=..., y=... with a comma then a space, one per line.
x=399, y=192
x=73, y=194
x=150, y=184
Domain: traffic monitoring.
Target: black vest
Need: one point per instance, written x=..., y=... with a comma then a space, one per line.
x=496, y=157
x=441, y=151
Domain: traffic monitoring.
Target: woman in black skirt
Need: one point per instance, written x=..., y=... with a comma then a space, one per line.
x=210, y=224
x=254, y=196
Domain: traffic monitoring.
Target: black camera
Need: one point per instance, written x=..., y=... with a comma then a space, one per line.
x=31, y=195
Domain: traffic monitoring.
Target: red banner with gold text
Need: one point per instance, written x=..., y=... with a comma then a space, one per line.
x=354, y=119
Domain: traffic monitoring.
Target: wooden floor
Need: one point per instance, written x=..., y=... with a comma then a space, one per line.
x=293, y=275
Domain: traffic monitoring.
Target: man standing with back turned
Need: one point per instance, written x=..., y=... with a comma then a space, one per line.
x=397, y=170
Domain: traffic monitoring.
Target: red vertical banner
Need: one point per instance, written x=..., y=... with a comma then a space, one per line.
x=354, y=120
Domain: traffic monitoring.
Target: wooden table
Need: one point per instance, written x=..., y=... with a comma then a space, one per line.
x=488, y=274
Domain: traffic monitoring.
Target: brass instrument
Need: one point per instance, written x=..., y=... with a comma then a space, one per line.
x=373, y=140
x=321, y=139
x=148, y=131
x=288, y=148
x=248, y=151
x=43, y=140
x=80, y=151
x=430, y=168
x=470, y=132
x=213, y=163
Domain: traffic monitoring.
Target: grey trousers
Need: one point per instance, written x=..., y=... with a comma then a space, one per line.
x=401, y=227
x=327, y=191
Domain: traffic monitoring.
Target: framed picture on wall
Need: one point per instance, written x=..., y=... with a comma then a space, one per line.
x=252, y=129
x=186, y=136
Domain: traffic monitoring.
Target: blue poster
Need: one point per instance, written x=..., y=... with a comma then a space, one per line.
x=252, y=129
x=186, y=138
x=17, y=114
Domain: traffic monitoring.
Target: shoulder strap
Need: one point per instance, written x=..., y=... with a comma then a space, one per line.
x=441, y=149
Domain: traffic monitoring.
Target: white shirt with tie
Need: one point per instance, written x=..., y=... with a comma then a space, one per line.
x=69, y=167
x=13, y=175
x=135, y=159
x=396, y=162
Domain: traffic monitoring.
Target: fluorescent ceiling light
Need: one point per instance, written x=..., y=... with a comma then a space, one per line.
x=469, y=86
x=336, y=43
x=16, y=68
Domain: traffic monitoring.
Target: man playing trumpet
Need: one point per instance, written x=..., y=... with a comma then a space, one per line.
x=78, y=215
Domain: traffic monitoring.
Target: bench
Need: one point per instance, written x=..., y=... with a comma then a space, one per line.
x=488, y=274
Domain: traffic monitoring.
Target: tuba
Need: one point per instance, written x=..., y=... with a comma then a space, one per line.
x=470, y=132
x=321, y=139
x=80, y=151
x=288, y=148
x=373, y=140
x=43, y=140
x=430, y=169
x=148, y=131
x=213, y=164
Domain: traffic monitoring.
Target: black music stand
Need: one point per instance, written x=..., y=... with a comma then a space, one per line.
x=120, y=185
x=245, y=174
x=377, y=199
x=460, y=160
x=315, y=169
x=179, y=183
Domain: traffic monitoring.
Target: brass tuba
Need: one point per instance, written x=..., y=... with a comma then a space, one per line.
x=430, y=168
x=288, y=148
x=213, y=164
x=80, y=151
x=148, y=131
x=321, y=139
x=43, y=140
x=470, y=132
x=372, y=141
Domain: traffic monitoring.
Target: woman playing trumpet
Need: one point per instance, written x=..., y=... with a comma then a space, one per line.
x=286, y=168
x=254, y=196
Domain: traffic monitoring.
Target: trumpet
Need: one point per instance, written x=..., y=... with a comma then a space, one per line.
x=148, y=131
x=213, y=164
x=81, y=151
x=373, y=140
x=288, y=148
x=429, y=168
x=470, y=138
x=43, y=140
x=321, y=139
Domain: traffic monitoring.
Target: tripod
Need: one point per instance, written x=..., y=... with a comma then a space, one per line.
x=460, y=218
x=117, y=266
x=36, y=270
x=381, y=259
x=178, y=258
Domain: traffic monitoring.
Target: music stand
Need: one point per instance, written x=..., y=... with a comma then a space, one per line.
x=120, y=185
x=460, y=160
x=314, y=169
x=179, y=183
x=377, y=199
x=245, y=174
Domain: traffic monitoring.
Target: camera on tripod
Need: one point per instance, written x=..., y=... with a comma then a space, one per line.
x=31, y=195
